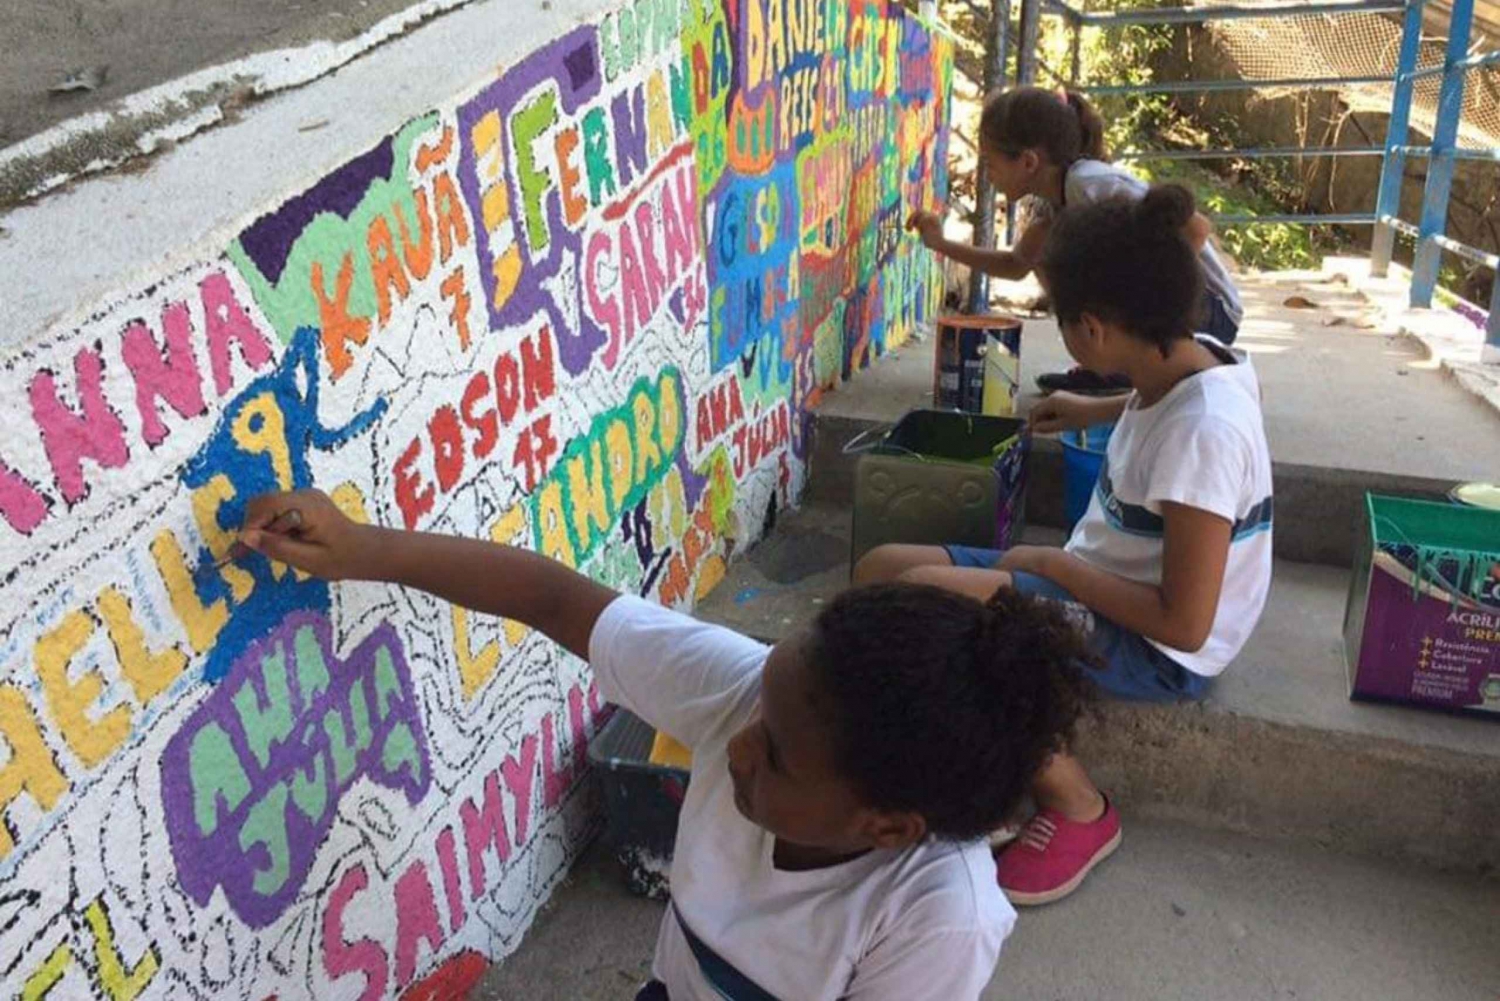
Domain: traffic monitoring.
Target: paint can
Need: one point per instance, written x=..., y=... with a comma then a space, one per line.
x=977, y=365
x=1485, y=495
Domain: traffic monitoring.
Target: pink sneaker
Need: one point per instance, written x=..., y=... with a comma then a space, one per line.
x=1005, y=834
x=1053, y=854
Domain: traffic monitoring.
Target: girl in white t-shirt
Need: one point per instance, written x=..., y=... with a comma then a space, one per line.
x=1049, y=145
x=831, y=843
x=1168, y=570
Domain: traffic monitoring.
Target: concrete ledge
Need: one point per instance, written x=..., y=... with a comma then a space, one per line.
x=1352, y=404
x=1353, y=793
x=1278, y=750
x=126, y=229
x=1319, y=510
x=1451, y=335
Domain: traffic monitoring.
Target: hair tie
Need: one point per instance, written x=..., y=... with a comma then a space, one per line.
x=1063, y=96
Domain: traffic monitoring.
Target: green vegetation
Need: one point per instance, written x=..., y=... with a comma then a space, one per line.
x=1265, y=246
x=1144, y=123
x=1141, y=123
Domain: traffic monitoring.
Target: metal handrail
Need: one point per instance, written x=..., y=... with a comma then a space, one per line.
x=1226, y=12
x=1441, y=153
x=1458, y=248
x=1461, y=66
x=1458, y=153
x=1216, y=86
x=1249, y=153
x=1304, y=218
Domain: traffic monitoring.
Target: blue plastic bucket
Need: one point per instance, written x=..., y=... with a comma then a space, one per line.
x=1083, y=457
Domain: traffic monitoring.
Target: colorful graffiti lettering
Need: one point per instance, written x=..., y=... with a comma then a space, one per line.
x=648, y=257
x=583, y=308
x=523, y=198
x=106, y=970
x=476, y=846
x=328, y=259
x=253, y=779
x=96, y=431
x=608, y=470
x=462, y=434
x=261, y=444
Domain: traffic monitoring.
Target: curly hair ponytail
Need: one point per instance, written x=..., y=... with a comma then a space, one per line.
x=943, y=705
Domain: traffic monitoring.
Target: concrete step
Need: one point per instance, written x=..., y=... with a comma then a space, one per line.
x=1177, y=913
x=1348, y=410
x=1277, y=750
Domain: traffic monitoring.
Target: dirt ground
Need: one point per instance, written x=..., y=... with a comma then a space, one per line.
x=144, y=43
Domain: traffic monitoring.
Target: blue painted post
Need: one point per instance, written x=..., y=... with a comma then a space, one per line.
x=1393, y=169
x=1491, y=353
x=1450, y=109
x=997, y=46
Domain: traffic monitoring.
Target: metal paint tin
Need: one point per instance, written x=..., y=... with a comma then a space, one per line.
x=977, y=364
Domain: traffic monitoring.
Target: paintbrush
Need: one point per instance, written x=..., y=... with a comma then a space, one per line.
x=284, y=522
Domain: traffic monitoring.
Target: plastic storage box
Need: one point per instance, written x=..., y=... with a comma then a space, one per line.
x=941, y=477
x=642, y=801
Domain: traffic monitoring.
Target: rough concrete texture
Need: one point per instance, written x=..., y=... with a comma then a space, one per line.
x=1452, y=333
x=133, y=225
x=593, y=941
x=141, y=122
x=1338, y=394
x=1277, y=749
x=147, y=42
x=1178, y=913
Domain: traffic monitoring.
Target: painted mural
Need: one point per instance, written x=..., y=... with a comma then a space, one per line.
x=584, y=308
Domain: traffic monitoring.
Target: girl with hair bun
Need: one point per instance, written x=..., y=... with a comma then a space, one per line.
x=1168, y=570
x=1049, y=145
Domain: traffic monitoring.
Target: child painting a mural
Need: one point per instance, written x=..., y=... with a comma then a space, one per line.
x=1050, y=145
x=583, y=304
x=831, y=842
x=1169, y=568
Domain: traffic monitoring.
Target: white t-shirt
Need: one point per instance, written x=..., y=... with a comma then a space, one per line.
x=1203, y=445
x=1090, y=181
x=924, y=922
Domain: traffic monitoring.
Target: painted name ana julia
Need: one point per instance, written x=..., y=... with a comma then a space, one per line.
x=252, y=781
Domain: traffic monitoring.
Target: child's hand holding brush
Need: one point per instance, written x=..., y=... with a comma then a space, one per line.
x=305, y=529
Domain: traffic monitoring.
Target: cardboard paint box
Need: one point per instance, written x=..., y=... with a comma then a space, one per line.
x=1423, y=621
x=939, y=476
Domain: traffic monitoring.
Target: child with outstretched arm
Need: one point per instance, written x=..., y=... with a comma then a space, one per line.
x=831, y=844
x=1049, y=144
x=1168, y=570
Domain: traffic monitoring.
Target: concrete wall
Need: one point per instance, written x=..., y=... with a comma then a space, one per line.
x=583, y=307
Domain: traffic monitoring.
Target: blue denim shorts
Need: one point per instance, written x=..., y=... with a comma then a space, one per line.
x=1129, y=667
